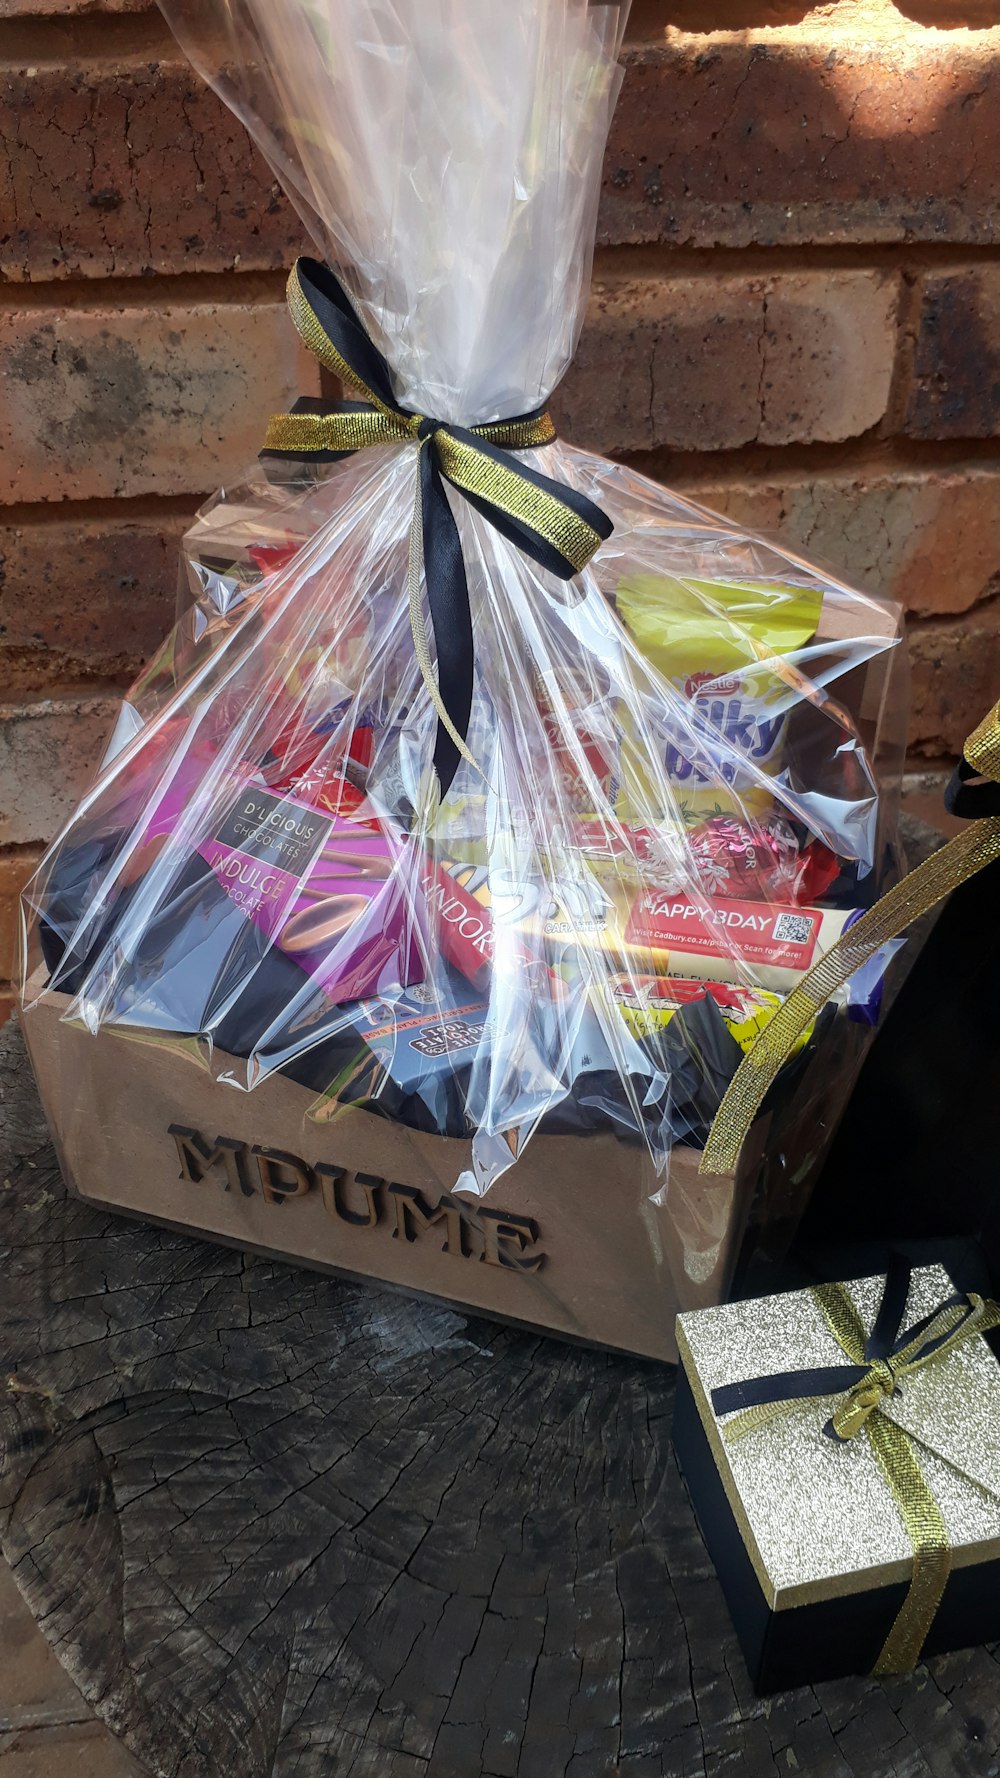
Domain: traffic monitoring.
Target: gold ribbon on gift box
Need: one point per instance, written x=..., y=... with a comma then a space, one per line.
x=880, y=1364
x=915, y=894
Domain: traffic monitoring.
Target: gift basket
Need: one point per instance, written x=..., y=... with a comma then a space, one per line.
x=487, y=800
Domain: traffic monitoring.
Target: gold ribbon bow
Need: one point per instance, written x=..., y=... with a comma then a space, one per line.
x=915, y=894
x=553, y=523
x=861, y=1408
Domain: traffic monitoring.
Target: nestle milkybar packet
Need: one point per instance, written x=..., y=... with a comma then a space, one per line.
x=728, y=648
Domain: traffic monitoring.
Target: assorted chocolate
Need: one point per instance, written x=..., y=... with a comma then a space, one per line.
x=310, y=928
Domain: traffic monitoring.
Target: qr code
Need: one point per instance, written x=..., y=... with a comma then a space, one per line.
x=796, y=929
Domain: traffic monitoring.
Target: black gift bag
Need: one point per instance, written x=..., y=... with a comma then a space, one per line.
x=916, y=1154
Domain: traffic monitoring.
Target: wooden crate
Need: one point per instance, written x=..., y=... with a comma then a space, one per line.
x=579, y=1237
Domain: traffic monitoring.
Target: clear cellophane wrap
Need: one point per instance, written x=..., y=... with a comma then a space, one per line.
x=680, y=770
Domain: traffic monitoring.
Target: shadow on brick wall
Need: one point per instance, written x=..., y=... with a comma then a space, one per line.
x=847, y=139
x=648, y=18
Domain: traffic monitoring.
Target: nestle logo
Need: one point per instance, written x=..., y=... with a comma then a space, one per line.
x=696, y=684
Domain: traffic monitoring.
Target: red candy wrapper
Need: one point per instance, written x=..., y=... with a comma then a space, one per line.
x=306, y=765
x=739, y=858
x=458, y=897
x=730, y=858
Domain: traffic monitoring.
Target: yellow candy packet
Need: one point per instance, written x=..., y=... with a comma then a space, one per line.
x=648, y=1003
x=724, y=646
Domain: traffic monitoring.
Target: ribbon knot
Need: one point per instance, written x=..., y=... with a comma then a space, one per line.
x=862, y=1400
x=559, y=528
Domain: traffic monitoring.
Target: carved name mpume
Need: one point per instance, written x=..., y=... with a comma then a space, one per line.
x=360, y=1200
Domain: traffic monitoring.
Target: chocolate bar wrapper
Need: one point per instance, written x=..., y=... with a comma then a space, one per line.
x=649, y=1003
x=775, y=945
x=328, y=886
x=408, y=1059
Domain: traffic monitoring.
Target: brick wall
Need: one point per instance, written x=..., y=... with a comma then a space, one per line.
x=795, y=317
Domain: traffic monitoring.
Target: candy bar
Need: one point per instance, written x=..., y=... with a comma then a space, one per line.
x=459, y=903
x=774, y=944
x=649, y=1003
x=722, y=646
x=662, y=932
x=411, y=1057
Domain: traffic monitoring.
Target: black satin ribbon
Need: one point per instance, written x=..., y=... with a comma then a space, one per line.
x=883, y=1343
x=969, y=795
x=331, y=327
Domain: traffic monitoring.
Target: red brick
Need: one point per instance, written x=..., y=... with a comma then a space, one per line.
x=48, y=751
x=16, y=9
x=955, y=391
x=15, y=869
x=739, y=138
x=883, y=131
x=91, y=595
x=956, y=677
x=710, y=363
x=133, y=400
x=929, y=538
x=133, y=167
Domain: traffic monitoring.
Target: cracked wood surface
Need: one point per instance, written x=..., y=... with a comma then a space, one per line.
x=278, y=1524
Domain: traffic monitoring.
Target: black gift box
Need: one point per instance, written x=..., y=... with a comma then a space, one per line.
x=801, y=1613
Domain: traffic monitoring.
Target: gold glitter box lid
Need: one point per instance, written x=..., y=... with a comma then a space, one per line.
x=816, y=1516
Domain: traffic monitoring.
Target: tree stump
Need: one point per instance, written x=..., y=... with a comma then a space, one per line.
x=274, y=1523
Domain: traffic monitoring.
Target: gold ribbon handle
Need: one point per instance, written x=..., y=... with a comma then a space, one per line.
x=915, y=894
